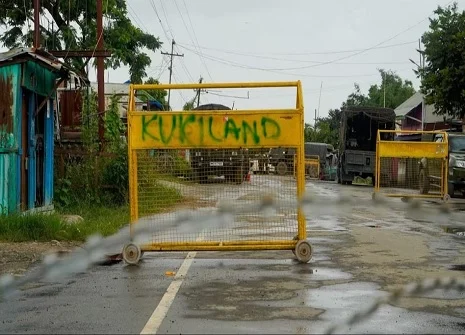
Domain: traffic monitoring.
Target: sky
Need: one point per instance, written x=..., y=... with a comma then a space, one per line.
x=326, y=44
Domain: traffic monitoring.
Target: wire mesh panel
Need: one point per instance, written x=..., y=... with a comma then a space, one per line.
x=212, y=177
x=411, y=164
x=194, y=164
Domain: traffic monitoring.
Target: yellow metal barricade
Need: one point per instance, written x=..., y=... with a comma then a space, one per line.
x=411, y=164
x=312, y=166
x=165, y=180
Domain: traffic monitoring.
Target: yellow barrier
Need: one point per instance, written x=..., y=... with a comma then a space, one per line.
x=312, y=166
x=411, y=164
x=194, y=160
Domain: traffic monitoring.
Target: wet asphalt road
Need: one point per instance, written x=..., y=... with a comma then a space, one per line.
x=254, y=292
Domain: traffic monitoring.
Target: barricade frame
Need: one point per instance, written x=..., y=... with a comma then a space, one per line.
x=403, y=149
x=294, y=118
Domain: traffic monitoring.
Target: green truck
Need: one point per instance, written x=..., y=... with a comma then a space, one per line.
x=357, y=147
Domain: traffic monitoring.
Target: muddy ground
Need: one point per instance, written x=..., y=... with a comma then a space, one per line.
x=16, y=258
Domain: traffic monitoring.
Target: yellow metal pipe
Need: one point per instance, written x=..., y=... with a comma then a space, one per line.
x=302, y=224
x=216, y=85
x=226, y=243
x=200, y=247
x=216, y=112
x=300, y=97
x=432, y=196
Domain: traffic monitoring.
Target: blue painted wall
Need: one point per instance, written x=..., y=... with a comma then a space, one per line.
x=35, y=82
x=10, y=78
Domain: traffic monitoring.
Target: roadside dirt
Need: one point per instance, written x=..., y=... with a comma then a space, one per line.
x=16, y=258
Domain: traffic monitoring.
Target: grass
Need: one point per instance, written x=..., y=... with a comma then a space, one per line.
x=155, y=198
x=105, y=220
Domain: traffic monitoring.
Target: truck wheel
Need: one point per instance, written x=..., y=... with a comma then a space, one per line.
x=450, y=189
x=281, y=168
x=424, y=182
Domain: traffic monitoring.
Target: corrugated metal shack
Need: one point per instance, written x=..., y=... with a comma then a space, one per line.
x=28, y=82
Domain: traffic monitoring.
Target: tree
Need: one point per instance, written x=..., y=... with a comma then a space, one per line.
x=392, y=87
x=356, y=98
x=396, y=90
x=443, y=76
x=189, y=105
x=393, y=90
x=158, y=95
x=72, y=26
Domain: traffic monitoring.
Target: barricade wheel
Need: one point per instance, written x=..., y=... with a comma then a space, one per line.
x=303, y=251
x=132, y=254
x=446, y=198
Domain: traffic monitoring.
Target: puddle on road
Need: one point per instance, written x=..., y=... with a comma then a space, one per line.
x=458, y=231
x=342, y=300
x=328, y=223
x=457, y=267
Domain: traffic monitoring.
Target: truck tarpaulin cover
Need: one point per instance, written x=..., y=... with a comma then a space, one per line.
x=381, y=115
x=360, y=126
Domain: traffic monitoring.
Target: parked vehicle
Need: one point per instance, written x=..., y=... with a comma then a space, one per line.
x=233, y=164
x=259, y=160
x=456, y=173
x=282, y=160
x=357, y=148
x=322, y=150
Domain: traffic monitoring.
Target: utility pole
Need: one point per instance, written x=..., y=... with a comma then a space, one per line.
x=100, y=74
x=319, y=99
x=36, y=24
x=198, y=92
x=99, y=53
x=172, y=54
x=384, y=88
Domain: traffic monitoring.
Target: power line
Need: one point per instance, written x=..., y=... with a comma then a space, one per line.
x=195, y=36
x=166, y=18
x=196, y=39
x=278, y=71
x=258, y=55
x=179, y=91
x=303, y=60
x=154, y=7
x=137, y=18
x=229, y=96
x=376, y=45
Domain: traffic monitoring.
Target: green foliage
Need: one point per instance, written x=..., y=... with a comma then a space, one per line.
x=396, y=90
x=36, y=227
x=45, y=227
x=443, y=77
x=114, y=128
x=326, y=130
x=75, y=28
x=89, y=126
x=189, y=105
x=159, y=95
x=63, y=192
